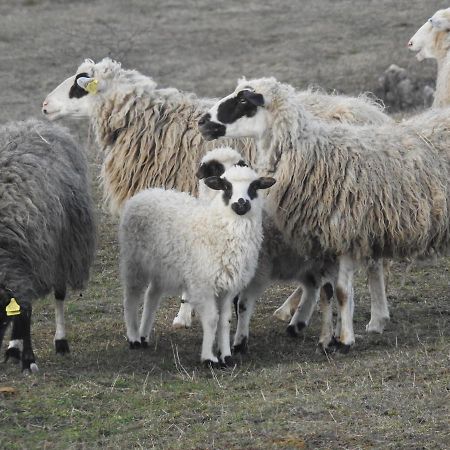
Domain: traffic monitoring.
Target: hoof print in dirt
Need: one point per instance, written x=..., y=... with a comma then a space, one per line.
x=62, y=346
x=14, y=354
x=134, y=345
x=242, y=347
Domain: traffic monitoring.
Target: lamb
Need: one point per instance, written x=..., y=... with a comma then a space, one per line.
x=149, y=136
x=344, y=191
x=432, y=40
x=47, y=227
x=277, y=262
x=172, y=242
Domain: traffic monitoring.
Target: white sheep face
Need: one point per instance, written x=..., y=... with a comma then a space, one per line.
x=432, y=39
x=241, y=114
x=69, y=98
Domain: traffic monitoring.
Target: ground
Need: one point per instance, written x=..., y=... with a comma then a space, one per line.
x=390, y=391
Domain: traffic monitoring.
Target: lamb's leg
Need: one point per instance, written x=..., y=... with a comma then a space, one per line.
x=151, y=303
x=223, y=330
x=288, y=308
x=379, y=310
x=184, y=317
x=4, y=322
x=246, y=306
x=24, y=320
x=209, y=317
x=15, y=345
x=326, y=309
x=135, y=287
x=310, y=297
x=61, y=344
x=344, y=295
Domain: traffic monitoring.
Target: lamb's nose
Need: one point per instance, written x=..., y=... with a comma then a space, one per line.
x=241, y=201
x=410, y=43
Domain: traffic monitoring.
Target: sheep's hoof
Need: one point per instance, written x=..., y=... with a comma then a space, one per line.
x=377, y=325
x=62, y=346
x=134, y=345
x=326, y=349
x=226, y=362
x=209, y=364
x=242, y=347
x=144, y=342
x=339, y=346
x=294, y=330
x=29, y=366
x=13, y=353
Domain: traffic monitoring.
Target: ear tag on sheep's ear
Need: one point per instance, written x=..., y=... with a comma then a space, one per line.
x=92, y=86
x=13, y=308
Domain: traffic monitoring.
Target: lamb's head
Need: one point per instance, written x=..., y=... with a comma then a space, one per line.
x=239, y=186
x=215, y=163
x=244, y=113
x=76, y=95
x=432, y=39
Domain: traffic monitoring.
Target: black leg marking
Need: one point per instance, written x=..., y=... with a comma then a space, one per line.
x=242, y=347
x=62, y=346
x=236, y=304
x=28, y=359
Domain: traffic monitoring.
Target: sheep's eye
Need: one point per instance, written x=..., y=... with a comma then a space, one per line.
x=243, y=100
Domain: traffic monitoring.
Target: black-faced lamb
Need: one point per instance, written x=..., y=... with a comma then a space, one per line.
x=345, y=191
x=171, y=242
x=47, y=228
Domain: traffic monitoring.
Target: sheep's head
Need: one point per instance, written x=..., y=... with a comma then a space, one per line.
x=239, y=186
x=74, y=96
x=432, y=39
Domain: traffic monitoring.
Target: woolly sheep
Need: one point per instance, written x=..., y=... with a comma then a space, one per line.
x=150, y=137
x=432, y=40
x=47, y=230
x=345, y=191
x=172, y=242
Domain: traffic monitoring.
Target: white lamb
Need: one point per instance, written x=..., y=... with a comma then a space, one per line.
x=172, y=242
x=432, y=40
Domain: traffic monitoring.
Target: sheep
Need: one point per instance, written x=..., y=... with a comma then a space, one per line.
x=344, y=191
x=149, y=136
x=47, y=227
x=432, y=41
x=171, y=241
x=277, y=262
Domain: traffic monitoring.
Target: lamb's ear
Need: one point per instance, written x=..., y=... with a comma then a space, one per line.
x=264, y=182
x=253, y=97
x=209, y=169
x=216, y=183
x=88, y=84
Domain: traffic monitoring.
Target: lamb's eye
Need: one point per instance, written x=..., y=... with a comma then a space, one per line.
x=243, y=100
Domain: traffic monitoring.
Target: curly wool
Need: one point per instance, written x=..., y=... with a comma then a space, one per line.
x=150, y=136
x=369, y=191
x=47, y=229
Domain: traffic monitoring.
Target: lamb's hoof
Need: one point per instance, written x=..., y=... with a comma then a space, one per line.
x=283, y=315
x=377, y=325
x=62, y=346
x=144, y=342
x=339, y=346
x=294, y=330
x=179, y=323
x=210, y=364
x=13, y=353
x=134, y=345
x=326, y=349
x=29, y=366
x=226, y=362
x=242, y=347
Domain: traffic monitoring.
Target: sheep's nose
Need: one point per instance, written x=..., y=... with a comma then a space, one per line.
x=241, y=207
x=205, y=118
x=410, y=43
x=241, y=201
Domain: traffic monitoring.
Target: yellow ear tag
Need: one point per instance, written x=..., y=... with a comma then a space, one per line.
x=13, y=309
x=92, y=86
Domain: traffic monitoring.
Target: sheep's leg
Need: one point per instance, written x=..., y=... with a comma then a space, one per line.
x=184, y=317
x=223, y=330
x=379, y=310
x=344, y=295
x=309, y=299
x=24, y=323
x=61, y=344
x=246, y=306
x=326, y=309
x=209, y=317
x=4, y=322
x=288, y=308
x=15, y=345
x=152, y=301
x=135, y=288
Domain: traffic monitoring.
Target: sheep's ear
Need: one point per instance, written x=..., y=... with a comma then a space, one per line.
x=253, y=97
x=216, y=183
x=264, y=182
x=88, y=84
x=441, y=23
x=209, y=169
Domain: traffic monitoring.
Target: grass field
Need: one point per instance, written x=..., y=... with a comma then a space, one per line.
x=390, y=391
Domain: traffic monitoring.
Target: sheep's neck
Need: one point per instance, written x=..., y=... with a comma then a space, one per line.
x=442, y=93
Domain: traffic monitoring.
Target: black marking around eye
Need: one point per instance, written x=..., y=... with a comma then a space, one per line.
x=210, y=169
x=253, y=190
x=241, y=163
x=234, y=108
x=227, y=192
x=77, y=91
